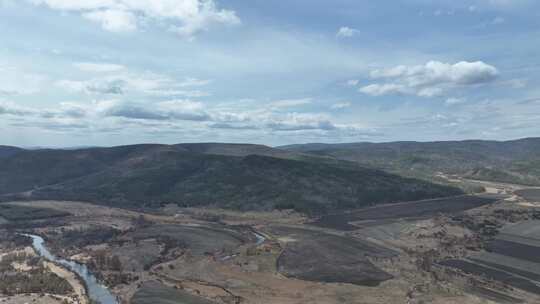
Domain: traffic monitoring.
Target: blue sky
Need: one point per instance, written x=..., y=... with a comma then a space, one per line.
x=111, y=72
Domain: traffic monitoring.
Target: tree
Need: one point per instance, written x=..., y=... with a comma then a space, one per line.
x=116, y=264
x=141, y=222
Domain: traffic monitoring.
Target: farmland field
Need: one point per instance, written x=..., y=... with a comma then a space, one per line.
x=198, y=239
x=515, y=250
x=493, y=295
x=513, y=257
x=530, y=194
x=412, y=210
x=491, y=273
x=15, y=213
x=157, y=293
x=322, y=257
x=509, y=269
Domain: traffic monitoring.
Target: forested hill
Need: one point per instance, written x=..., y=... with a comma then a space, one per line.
x=243, y=177
x=6, y=151
x=516, y=161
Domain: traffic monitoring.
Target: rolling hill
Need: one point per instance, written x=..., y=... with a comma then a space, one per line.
x=242, y=177
x=6, y=151
x=516, y=161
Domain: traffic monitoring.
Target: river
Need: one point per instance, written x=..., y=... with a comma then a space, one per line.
x=96, y=291
x=260, y=238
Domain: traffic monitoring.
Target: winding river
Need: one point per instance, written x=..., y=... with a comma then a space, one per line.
x=260, y=238
x=96, y=291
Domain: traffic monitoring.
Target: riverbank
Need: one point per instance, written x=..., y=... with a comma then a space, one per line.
x=74, y=273
x=72, y=279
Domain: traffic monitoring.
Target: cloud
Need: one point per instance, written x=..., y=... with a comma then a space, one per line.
x=493, y=22
x=9, y=108
x=438, y=72
x=194, y=82
x=9, y=92
x=498, y=20
x=431, y=79
x=167, y=110
x=346, y=32
x=185, y=17
x=113, y=20
x=229, y=126
x=115, y=114
x=100, y=87
x=340, y=105
x=98, y=67
x=352, y=82
x=15, y=82
x=516, y=83
x=124, y=82
x=300, y=121
x=454, y=101
x=385, y=89
x=184, y=93
x=288, y=103
x=65, y=110
x=507, y=4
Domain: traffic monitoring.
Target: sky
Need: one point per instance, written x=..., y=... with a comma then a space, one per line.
x=115, y=72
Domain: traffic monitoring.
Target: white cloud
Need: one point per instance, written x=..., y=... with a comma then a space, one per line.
x=167, y=110
x=352, y=82
x=346, y=32
x=505, y=4
x=493, y=22
x=385, y=89
x=287, y=103
x=64, y=110
x=299, y=121
x=114, y=114
x=431, y=79
x=172, y=92
x=98, y=67
x=430, y=92
x=185, y=17
x=498, y=20
x=113, y=20
x=16, y=82
x=517, y=83
x=341, y=105
x=454, y=101
x=123, y=82
x=10, y=108
x=194, y=82
x=98, y=86
x=438, y=72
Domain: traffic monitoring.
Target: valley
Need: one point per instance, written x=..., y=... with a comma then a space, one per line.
x=410, y=247
x=194, y=256
x=269, y=152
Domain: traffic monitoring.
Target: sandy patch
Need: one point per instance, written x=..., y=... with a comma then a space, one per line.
x=72, y=280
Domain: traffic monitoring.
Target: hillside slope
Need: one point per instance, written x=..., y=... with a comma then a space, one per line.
x=516, y=161
x=6, y=151
x=150, y=175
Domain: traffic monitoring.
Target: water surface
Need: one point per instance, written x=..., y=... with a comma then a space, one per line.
x=96, y=291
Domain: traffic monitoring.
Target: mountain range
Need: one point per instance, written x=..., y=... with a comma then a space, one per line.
x=236, y=176
x=515, y=161
x=310, y=178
